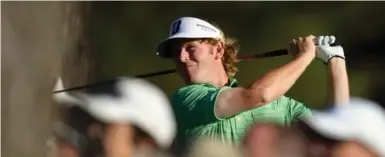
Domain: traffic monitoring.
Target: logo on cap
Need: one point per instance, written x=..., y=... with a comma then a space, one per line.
x=175, y=27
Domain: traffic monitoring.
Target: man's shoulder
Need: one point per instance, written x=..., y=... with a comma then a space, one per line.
x=188, y=92
x=295, y=107
x=192, y=89
x=285, y=102
x=193, y=94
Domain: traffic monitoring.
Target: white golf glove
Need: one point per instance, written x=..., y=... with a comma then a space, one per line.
x=325, y=52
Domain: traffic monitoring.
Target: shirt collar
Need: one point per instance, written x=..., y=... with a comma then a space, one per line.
x=232, y=82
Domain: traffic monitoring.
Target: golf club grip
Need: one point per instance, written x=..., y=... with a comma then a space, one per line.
x=164, y=72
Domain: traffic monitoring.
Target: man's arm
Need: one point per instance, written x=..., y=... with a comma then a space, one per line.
x=270, y=86
x=339, y=83
x=334, y=57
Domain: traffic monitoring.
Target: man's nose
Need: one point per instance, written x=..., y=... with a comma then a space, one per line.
x=183, y=56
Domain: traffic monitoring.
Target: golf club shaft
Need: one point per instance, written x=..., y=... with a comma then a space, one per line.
x=242, y=58
x=164, y=72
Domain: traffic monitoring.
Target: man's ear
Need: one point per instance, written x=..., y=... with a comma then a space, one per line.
x=220, y=50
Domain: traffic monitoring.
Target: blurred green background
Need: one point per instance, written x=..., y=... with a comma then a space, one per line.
x=123, y=37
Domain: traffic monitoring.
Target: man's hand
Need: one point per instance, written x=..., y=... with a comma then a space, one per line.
x=302, y=45
x=325, y=52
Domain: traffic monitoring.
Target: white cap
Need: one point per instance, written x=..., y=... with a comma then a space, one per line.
x=188, y=28
x=136, y=102
x=362, y=121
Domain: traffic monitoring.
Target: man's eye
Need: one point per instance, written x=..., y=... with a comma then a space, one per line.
x=190, y=48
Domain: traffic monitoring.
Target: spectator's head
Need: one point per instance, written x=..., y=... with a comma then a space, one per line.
x=357, y=129
x=271, y=140
x=131, y=115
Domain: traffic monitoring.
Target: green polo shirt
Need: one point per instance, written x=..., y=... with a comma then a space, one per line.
x=194, y=110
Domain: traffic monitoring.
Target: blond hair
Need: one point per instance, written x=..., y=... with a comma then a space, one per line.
x=231, y=49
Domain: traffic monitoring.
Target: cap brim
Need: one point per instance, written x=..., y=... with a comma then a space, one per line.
x=109, y=112
x=162, y=48
x=330, y=125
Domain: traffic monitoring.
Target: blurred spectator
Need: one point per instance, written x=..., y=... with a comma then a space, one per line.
x=355, y=130
x=212, y=148
x=130, y=117
x=271, y=140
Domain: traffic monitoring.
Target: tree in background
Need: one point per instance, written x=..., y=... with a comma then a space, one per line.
x=39, y=41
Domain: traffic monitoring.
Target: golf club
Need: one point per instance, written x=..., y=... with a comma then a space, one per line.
x=164, y=72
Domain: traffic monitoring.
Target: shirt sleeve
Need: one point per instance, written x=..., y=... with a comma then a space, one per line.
x=196, y=104
x=296, y=110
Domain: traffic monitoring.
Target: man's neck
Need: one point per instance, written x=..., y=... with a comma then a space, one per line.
x=219, y=79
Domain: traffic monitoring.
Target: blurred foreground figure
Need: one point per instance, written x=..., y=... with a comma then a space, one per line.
x=132, y=118
x=212, y=148
x=36, y=39
x=355, y=130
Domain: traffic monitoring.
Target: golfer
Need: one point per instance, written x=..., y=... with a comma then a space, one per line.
x=213, y=105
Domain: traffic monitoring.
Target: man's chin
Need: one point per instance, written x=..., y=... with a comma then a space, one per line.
x=188, y=82
x=191, y=81
x=188, y=79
